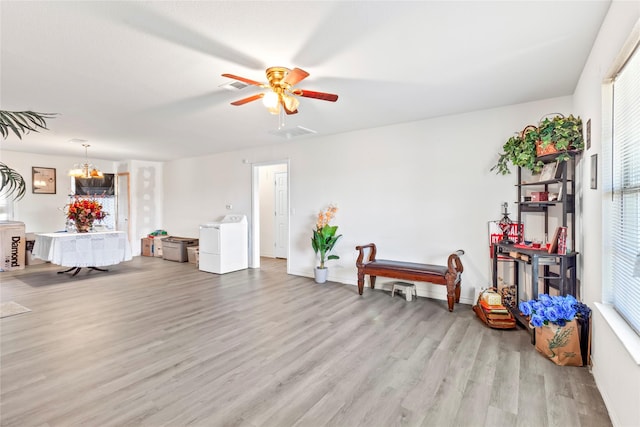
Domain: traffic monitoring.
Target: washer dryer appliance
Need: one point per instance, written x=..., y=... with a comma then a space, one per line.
x=224, y=245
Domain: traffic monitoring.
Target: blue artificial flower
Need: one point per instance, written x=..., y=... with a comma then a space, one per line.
x=551, y=313
x=555, y=309
x=525, y=308
x=537, y=306
x=537, y=320
x=545, y=300
x=571, y=299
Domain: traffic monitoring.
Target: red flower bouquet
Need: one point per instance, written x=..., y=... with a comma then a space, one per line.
x=84, y=212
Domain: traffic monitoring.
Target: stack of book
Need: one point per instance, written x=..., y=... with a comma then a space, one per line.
x=494, y=315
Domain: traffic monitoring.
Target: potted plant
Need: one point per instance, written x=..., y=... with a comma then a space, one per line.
x=555, y=319
x=18, y=122
x=323, y=240
x=560, y=134
x=557, y=134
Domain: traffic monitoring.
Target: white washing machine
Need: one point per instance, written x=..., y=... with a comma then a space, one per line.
x=224, y=245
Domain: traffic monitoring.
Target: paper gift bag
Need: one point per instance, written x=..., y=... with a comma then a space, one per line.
x=561, y=344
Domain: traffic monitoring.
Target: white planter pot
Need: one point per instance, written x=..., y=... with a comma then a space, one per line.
x=321, y=274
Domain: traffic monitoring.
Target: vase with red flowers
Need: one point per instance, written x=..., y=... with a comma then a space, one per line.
x=83, y=212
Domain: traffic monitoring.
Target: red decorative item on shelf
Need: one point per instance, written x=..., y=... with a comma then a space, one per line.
x=516, y=231
x=562, y=241
x=539, y=196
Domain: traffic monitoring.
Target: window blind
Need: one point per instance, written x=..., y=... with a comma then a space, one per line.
x=622, y=195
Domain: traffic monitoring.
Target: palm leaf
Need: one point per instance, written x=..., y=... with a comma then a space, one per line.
x=22, y=122
x=12, y=183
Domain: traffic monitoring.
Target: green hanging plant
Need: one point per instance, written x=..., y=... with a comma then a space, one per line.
x=520, y=150
x=564, y=133
x=557, y=134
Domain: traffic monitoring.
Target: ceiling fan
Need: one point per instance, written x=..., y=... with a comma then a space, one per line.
x=281, y=82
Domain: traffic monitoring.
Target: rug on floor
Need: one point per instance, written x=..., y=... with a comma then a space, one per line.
x=12, y=308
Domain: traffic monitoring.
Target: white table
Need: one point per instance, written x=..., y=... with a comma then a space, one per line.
x=77, y=250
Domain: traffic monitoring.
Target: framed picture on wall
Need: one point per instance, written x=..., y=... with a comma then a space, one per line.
x=548, y=172
x=43, y=180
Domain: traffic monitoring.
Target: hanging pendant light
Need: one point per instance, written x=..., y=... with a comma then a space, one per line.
x=86, y=169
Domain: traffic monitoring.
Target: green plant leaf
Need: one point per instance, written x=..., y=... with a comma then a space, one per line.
x=22, y=122
x=13, y=184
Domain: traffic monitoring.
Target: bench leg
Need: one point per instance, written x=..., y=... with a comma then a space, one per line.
x=360, y=282
x=453, y=294
x=372, y=281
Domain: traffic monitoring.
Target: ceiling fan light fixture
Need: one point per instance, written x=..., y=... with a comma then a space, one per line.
x=271, y=100
x=283, y=95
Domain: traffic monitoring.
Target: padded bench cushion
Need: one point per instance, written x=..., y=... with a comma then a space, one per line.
x=437, y=270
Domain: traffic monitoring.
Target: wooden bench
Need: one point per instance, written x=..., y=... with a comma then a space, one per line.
x=449, y=275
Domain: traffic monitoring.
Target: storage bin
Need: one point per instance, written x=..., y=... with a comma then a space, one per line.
x=175, y=248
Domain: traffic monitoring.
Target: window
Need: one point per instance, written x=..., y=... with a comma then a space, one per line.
x=621, y=203
x=6, y=209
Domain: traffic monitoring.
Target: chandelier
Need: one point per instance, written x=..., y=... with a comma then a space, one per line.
x=86, y=169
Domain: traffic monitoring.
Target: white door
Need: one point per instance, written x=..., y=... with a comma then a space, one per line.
x=122, y=203
x=281, y=214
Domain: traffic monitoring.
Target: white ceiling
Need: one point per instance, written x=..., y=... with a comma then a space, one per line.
x=142, y=80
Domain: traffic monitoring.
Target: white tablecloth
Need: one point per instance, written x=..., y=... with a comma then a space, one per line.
x=83, y=249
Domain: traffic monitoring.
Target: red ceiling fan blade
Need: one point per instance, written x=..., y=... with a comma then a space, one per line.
x=317, y=95
x=295, y=76
x=249, y=99
x=242, y=79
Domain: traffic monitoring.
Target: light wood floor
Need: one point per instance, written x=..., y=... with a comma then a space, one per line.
x=159, y=343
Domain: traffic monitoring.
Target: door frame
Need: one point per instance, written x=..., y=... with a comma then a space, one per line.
x=120, y=175
x=254, y=229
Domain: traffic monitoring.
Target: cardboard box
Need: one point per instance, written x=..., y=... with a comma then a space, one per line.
x=157, y=246
x=12, y=245
x=146, y=246
x=193, y=254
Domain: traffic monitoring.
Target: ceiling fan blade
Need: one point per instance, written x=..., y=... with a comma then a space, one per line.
x=249, y=99
x=295, y=76
x=242, y=79
x=317, y=95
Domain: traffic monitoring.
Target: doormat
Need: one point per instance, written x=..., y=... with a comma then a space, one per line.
x=12, y=308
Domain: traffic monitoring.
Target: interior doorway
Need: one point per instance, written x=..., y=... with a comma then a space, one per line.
x=269, y=234
x=123, y=198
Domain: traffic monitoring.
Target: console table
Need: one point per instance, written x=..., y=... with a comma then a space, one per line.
x=77, y=250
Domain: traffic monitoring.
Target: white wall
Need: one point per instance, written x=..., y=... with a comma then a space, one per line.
x=45, y=212
x=616, y=374
x=418, y=190
x=147, y=199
